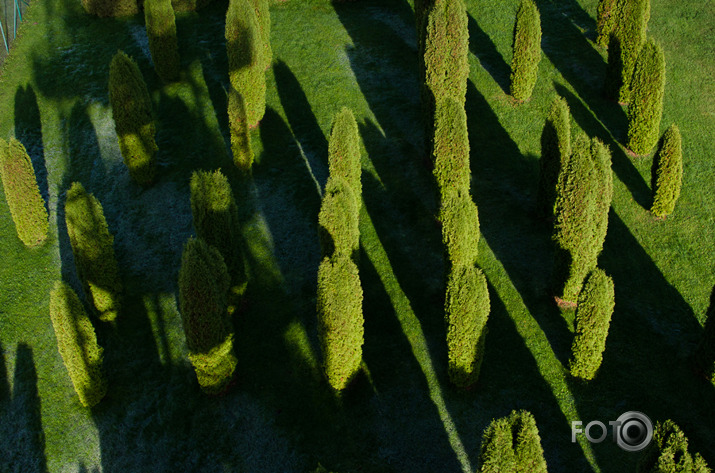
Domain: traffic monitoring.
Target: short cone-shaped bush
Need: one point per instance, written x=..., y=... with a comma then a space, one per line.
x=705, y=354
x=27, y=207
x=111, y=8
x=203, y=288
x=93, y=250
x=246, y=63
x=261, y=7
x=240, y=137
x=667, y=173
x=668, y=452
x=608, y=15
x=555, y=151
x=631, y=32
x=646, y=107
x=133, y=121
x=512, y=444
x=466, y=311
x=161, y=30
x=593, y=317
x=460, y=227
x=338, y=220
x=451, y=146
x=77, y=344
x=340, y=319
x=215, y=216
x=344, y=152
x=527, y=50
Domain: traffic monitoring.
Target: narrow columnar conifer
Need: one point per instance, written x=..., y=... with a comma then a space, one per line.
x=668, y=452
x=593, y=317
x=466, y=311
x=608, y=17
x=460, y=227
x=646, y=107
x=344, y=152
x=77, y=344
x=338, y=219
x=450, y=149
x=261, y=7
x=555, y=151
x=93, y=250
x=512, y=445
x=630, y=30
x=111, y=8
x=27, y=207
x=527, y=50
x=240, y=137
x=340, y=319
x=203, y=287
x=705, y=353
x=667, y=173
x=161, y=31
x=246, y=57
x=133, y=121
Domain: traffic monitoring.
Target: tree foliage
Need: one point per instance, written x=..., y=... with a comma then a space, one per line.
x=668, y=452
x=93, y=250
x=451, y=147
x=608, y=15
x=133, y=121
x=512, y=445
x=555, y=151
x=240, y=138
x=111, y=8
x=338, y=220
x=647, y=91
x=630, y=31
x=460, y=227
x=667, y=173
x=27, y=207
x=527, y=50
x=263, y=14
x=344, y=152
x=163, y=45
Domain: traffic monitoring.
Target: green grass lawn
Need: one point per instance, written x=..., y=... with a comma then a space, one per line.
x=401, y=415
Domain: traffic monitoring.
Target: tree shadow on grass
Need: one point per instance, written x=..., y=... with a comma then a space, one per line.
x=489, y=57
x=578, y=17
x=28, y=130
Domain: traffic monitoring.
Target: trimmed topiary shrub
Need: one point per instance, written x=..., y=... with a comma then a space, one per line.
x=133, y=122
x=460, y=227
x=593, y=317
x=344, y=152
x=555, y=151
x=512, y=444
x=240, y=137
x=631, y=32
x=338, y=220
x=263, y=14
x=216, y=220
x=668, y=452
x=604, y=194
x=527, y=50
x=607, y=21
x=77, y=344
x=705, y=353
x=246, y=62
x=451, y=146
x=646, y=107
x=27, y=207
x=466, y=311
x=93, y=250
x=111, y=8
x=340, y=319
x=667, y=173
x=161, y=30
x=203, y=287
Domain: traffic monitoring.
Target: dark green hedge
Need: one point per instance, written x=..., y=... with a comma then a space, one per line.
x=668, y=452
x=646, y=107
x=667, y=173
x=340, y=319
x=555, y=151
x=77, y=344
x=338, y=220
x=161, y=31
x=93, y=250
x=527, y=50
x=240, y=137
x=27, y=207
x=133, y=121
x=344, y=152
x=450, y=148
x=512, y=445
x=460, y=227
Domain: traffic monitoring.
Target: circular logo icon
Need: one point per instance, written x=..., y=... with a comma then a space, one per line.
x=634, y=431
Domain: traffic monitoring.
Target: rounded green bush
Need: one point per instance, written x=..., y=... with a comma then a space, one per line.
x=593, y=317
x=344, y=152
x=460, y=227
x=512, y=444
x=133, y=121
x=450, y=148
x=555, y=151
x=111, y=8
x=93, y=250
x=527, y=50
x=340, y=319
x=667, y=173
x=705, y=353
x=203, y=288
x=77, y=344
x=246, y=62
x=608, y=15
x=27, y=207
x=646, y=107
x=668, y=452
x=161, y=31
x=338, y=220
x=240, y=138
x=466, y=311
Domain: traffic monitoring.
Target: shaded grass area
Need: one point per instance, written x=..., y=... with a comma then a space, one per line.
x=401, y=414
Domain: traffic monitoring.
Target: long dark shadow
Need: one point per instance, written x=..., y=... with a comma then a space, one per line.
x=28, y=130
x=481, y=45
x=578, y=16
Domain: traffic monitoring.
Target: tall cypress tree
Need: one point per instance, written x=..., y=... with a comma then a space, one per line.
x=667, y=173
x=555, y=151
x=669, y=452
x=630, y=30
x=451, y=147
x=163, y=45
x=527, y=50
x=608, y=18
x=263, y=15
x=646, y=108
x=512, y=444
x=344, y=152
x=240, y=137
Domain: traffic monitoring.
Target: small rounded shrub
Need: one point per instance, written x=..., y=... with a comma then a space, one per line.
x=77, y=344
x=344, y=152
x=527, y=50
x=466, y=311
x=667, y=173
x=240, y=137
x=111, y=8
x=27, y=207
x=646, y=107
x=203, y=288
x=161, y=31
x=246, y=62
x=608, y=15
x=705, y=353
x=451, y=146
x=668, y=452
x=338, y=220
x=512, y=444
x=555, y=151
x=133, y=121
x=93, y=250
x=340, y=319
x=460, y=227
x=593, y=317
